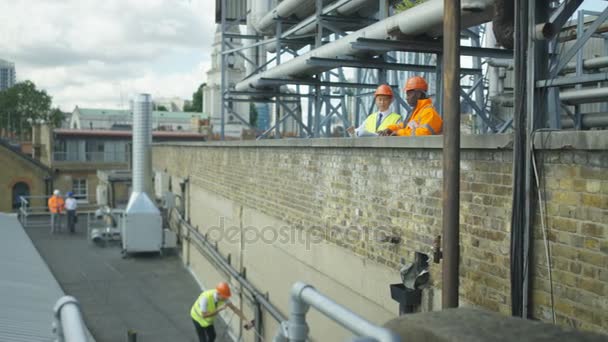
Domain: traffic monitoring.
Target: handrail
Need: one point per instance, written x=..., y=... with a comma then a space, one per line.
x=68, y=325
x=304, y=295
x=225, y=265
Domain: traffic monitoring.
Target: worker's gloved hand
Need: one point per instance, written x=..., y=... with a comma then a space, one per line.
x=249, y=325
x=385, y=133
x=351, y=130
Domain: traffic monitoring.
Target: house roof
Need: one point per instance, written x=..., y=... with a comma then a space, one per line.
x=24, y=156
x=125, y=134
x=101, y=112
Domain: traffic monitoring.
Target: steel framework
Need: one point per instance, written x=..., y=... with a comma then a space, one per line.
x=326, y=92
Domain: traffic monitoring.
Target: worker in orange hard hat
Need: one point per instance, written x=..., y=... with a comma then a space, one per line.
x=207, y=306
x=381, y=119
x=424, y=119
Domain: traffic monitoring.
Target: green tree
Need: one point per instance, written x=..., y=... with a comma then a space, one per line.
x=23, y=103
x=406, y=4
x=161, y=108
x=197, y=100
x=253, y=115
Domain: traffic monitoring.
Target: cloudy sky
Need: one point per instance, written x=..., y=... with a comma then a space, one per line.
x=99, y=53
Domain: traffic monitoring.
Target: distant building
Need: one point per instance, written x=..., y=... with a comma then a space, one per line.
x=122, y=119
x=211, y=92
x=7, y=74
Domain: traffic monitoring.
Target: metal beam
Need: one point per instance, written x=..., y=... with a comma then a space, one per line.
x=567, y=56
x=572, y=80
x=563, y=13
x=310, y=82
x=480, y=111
x=377, y=64
x=425, y=46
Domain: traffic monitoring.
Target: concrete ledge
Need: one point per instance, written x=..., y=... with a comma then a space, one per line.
x=573, y=140
x=472, y=325
x=556, y=140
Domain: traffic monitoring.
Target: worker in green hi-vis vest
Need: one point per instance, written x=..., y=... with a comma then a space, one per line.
x=380, y=120
x=207, y=306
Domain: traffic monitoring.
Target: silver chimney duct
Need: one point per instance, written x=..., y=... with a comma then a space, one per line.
x=142, y=141
x=142, y=225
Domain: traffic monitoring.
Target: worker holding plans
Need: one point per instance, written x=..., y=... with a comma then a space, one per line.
x=207, y=306
x=380, y=120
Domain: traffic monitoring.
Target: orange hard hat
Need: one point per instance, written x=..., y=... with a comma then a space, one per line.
x=223, y=290
x=416, y=83
x=384, y=89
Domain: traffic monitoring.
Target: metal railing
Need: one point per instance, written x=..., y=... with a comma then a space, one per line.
x=33, y=211
x=68, y=325
x=304, y=296
x=92, y=157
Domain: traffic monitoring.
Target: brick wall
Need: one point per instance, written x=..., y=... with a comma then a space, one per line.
x=345, y=188
x=17, y=169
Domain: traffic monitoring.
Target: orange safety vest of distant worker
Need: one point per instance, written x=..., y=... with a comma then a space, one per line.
x=424, y=119
x=56, y=204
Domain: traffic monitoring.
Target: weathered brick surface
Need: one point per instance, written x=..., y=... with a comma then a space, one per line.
x=398, y=190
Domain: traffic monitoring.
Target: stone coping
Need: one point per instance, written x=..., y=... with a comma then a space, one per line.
x=546, y=140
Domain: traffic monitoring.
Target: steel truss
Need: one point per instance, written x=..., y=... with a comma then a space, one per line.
x=334, y=98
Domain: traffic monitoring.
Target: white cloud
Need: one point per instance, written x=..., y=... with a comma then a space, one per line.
x=93, y=53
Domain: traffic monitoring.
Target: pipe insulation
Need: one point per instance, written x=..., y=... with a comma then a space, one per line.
x=589, y=95
x=426, y=18
x=286, y=9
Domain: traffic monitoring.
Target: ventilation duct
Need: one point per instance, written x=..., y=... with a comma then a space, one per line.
x=142, y=223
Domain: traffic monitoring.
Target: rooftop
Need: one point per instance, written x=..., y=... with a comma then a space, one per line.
x=100, y=112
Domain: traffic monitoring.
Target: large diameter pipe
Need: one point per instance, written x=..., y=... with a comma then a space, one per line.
x=424, y=18
x=589, y=64
x=304, y=295
x=142, y=141
x=589, y=120
x=578, y=96
x=287, y=8
x=451, y=154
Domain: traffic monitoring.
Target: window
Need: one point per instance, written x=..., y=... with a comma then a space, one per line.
x=79, y=188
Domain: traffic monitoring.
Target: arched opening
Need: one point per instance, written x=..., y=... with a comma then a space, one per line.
x=19, y=189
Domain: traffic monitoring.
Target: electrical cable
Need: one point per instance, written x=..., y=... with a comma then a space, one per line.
x=544, y=227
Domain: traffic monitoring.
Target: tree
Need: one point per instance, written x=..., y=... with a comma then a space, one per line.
x=161, y=108
x=253, y=115
x=406, y=4
x=197, y=100
x=22, y=102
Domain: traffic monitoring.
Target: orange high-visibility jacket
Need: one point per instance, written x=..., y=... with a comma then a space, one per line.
x=424, y=121
x=56, y=204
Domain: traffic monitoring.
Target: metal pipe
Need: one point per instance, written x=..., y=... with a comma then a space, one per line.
x=589, y=95
x=591, y=63
x=589, y=120
x=424, y=18
x=68, y=325
x=286, y=9
x=451, y=153
x=303, y=296
x=142, y=141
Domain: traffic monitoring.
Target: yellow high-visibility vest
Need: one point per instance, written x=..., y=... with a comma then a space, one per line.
x=196, y=312
x=370, y=122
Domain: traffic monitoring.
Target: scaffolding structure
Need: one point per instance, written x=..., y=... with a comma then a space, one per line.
x=318, y=62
